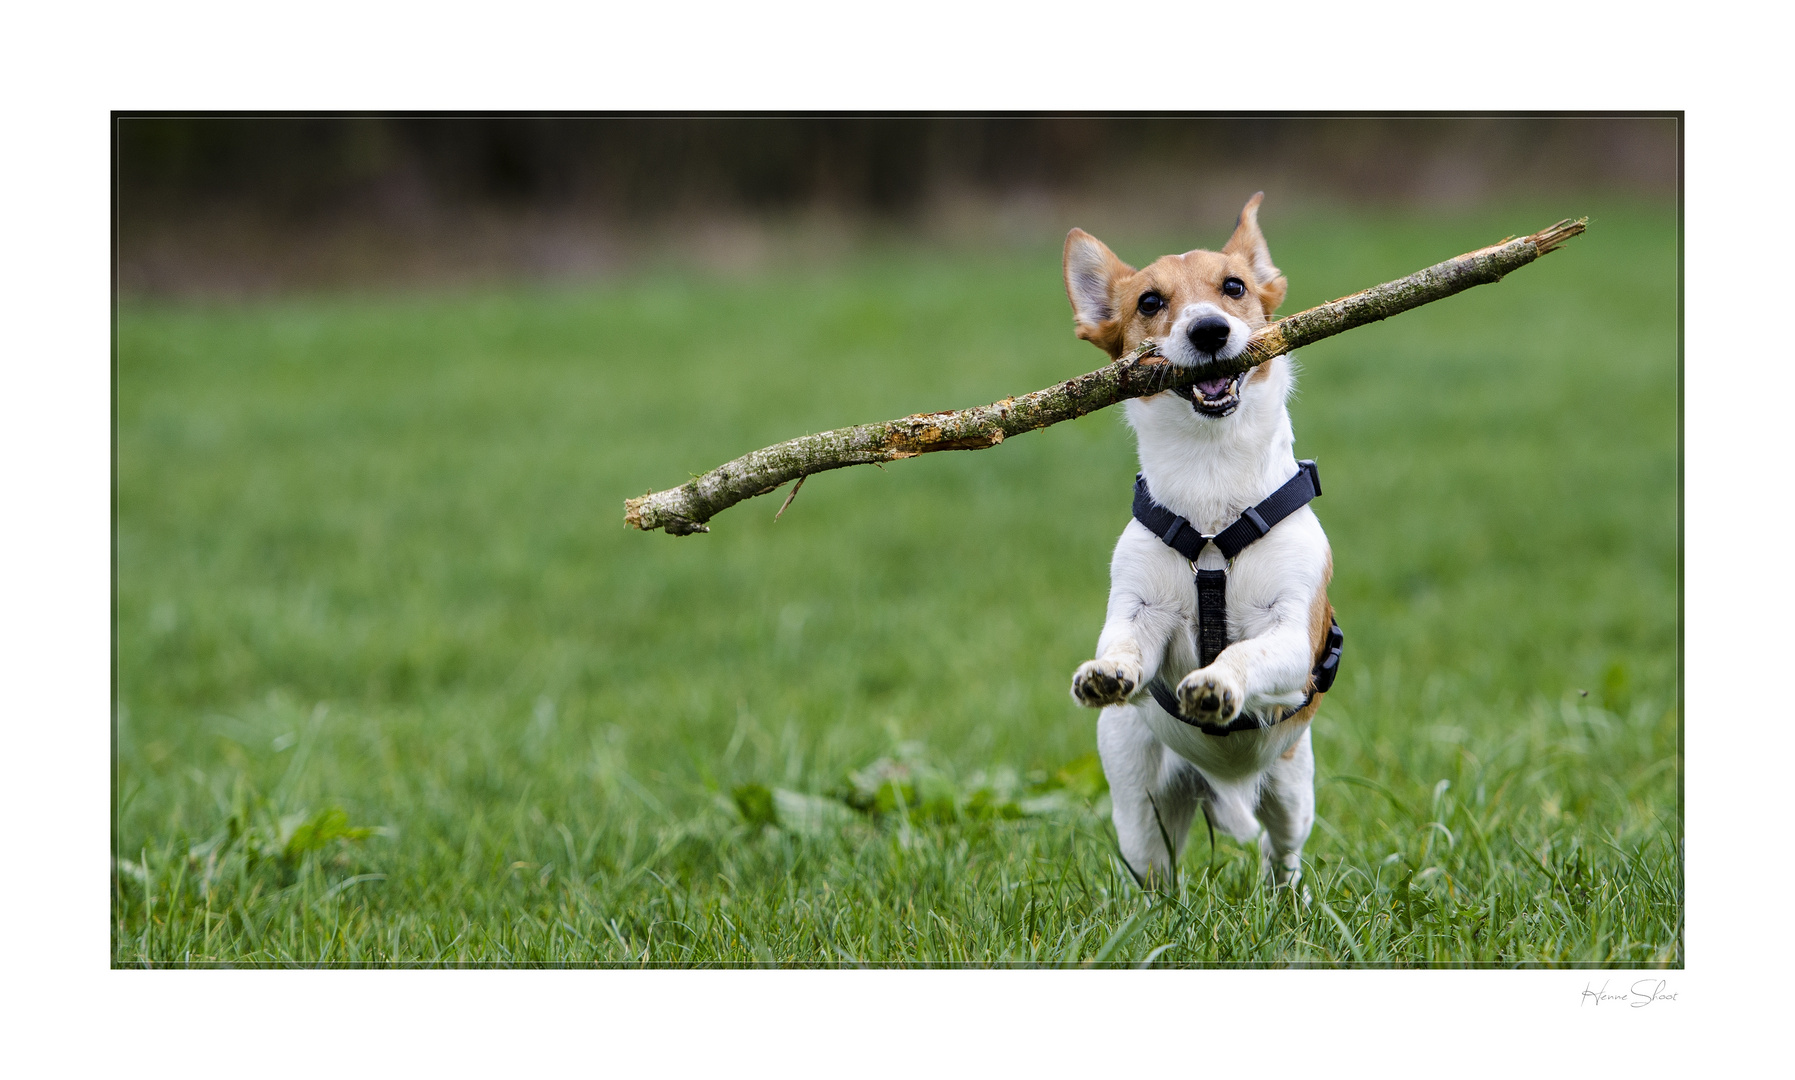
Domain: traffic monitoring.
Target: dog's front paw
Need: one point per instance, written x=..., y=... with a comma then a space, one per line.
x=1210, y=696
x=1283, y=871
x=1097, y=683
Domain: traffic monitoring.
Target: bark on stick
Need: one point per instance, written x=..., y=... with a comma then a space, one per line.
x=687, y=508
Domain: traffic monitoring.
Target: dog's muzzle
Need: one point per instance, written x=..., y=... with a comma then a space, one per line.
x=1213, y=397
x=1208, y=336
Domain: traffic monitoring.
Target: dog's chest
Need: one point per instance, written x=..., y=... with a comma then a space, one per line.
x=1253, y=590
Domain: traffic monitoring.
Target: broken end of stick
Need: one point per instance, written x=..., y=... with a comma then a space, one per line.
x=643, y=514
x=1553, y=237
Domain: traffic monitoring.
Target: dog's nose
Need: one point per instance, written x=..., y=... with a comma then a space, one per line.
x=1208, y=334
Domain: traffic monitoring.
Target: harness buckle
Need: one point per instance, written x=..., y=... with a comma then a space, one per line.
x=1308, y=465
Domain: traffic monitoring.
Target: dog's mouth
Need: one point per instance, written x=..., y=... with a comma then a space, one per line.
x=1213, y=397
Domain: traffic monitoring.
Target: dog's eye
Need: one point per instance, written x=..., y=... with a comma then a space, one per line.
x=1234, y=287
x=1152, y=304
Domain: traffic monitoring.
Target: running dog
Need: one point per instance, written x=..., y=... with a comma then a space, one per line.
x=1219, y=640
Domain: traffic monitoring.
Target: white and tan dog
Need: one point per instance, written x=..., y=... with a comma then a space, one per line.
x=1207, y=454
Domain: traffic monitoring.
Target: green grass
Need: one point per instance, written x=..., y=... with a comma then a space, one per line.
x=395, y=685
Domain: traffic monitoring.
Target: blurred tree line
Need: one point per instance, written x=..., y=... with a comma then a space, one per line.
x=243, y=204
x=642, y=167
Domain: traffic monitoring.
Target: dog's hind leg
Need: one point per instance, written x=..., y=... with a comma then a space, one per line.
x=1287, y=810
x=1153, y=794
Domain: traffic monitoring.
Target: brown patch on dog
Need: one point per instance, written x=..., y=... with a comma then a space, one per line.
x=1321, y=616
x=1106, y=292
x=1321, y=613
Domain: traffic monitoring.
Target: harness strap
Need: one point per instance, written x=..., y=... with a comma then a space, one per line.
x=1212, y=615
x=1187, y=540
x=1212, y=585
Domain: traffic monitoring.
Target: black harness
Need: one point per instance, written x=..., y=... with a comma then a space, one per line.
x=1212, y=586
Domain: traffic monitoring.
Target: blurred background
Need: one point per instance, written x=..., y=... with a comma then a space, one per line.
x=250, y=205
x=395, y=684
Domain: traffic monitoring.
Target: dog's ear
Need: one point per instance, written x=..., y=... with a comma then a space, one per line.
x=1250, y=242
x=1091, y=269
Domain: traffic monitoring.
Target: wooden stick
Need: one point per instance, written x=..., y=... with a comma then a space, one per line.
x=1138, y=373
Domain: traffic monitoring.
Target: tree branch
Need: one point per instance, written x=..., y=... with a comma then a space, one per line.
x=686, y=509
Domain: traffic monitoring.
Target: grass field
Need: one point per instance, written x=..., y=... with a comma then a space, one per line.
x=395, y=686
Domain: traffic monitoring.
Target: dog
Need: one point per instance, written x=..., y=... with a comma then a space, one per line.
x=1230, y=736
